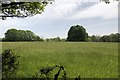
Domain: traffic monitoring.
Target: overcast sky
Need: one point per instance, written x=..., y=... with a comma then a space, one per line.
x=97, y=18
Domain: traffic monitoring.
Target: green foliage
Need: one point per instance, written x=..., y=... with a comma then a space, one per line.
x=77, y=33
x=106, y=38
x=46, y=71
x=57, y=39
x=94, y=38
x=11, y=35
x=21, y=35
x=0, y=39
x=22, y=9
x=9, y=64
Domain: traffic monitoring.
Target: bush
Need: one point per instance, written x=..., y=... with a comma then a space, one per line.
x=9, y=64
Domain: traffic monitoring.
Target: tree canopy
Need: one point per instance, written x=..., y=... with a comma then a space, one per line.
x=105, y=38
x=22, y=9
x=21, y=35
x=77, y=33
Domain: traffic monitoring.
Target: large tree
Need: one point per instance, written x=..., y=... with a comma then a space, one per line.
x=77, y=33
x=21, y=35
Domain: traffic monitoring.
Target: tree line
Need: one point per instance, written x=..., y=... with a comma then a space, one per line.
x=76, y=33
x=114, y=37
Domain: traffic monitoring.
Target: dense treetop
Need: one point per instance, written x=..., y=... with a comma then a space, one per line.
x=20, y=35
x=77, y=33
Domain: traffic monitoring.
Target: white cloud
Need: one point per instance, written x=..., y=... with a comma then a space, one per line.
x=62, y=9
x=100, y=10
x=79, y=9
x=58, y=9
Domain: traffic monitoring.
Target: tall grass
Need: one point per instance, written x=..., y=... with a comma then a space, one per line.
x=87, y=59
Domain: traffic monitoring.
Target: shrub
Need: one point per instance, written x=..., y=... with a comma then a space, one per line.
x=9, y=64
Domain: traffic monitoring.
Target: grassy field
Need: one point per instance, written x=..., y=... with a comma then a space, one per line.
x=87, y=59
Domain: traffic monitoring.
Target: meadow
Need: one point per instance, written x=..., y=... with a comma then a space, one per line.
x=87, y=59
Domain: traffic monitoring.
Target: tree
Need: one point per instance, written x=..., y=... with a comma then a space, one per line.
x=30, y=35
x=22, y=9
x=39, y=39
x=21, y=35
x=63, y=40
x=11, y=35
x=77, y=33
x=115, y=37
x=95, y=38
x=57, y=39
x=110, y=38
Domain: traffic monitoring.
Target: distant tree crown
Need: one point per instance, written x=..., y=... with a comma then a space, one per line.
x=21, y=35
x=77, y=33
